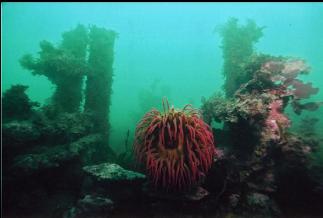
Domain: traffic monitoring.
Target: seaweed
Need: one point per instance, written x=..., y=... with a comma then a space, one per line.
x=237, y=46
x=16, y=104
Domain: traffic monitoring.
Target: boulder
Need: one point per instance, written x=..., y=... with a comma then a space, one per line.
x=45, y=158
x=110, y=179
x=18, y=134
x=90, y=206
x=111, y=172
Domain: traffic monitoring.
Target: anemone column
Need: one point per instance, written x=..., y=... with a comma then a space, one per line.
x=99, y=77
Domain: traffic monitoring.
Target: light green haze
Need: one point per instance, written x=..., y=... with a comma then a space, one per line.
x=162, y=49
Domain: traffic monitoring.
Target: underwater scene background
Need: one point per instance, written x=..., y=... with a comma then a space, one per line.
x=80, y=138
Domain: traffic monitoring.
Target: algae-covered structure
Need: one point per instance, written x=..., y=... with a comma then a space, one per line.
x=99, y=77
x=84, y=54
x=16, y=104
x=64, y=65
x=56, y=139
x=264, y=161
x=238, y=47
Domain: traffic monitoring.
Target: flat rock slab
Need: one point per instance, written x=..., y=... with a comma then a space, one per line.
x=111, y=172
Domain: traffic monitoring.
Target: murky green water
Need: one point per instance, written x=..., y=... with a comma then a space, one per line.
x=162, y=49
x=170, y=49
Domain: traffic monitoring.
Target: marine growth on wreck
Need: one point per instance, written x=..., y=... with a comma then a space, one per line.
x=252, y=149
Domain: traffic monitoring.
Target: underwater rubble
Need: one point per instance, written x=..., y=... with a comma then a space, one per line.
x=102, y=183
x=267, y=166
x=46, y=146
x=90, y=206
x=57, y=161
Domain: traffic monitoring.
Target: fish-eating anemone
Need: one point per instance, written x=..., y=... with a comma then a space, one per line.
x=176, y=147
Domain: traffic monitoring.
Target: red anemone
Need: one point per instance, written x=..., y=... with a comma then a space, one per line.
x=176, y=146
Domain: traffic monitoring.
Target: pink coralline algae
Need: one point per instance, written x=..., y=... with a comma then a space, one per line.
x=302, y=90
x=197, y=194
x=276, y=113
x=294, y=67
x=219, y=153
x=285, y=70
x=273, y=66
x=276, y=120
x=286, y=73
